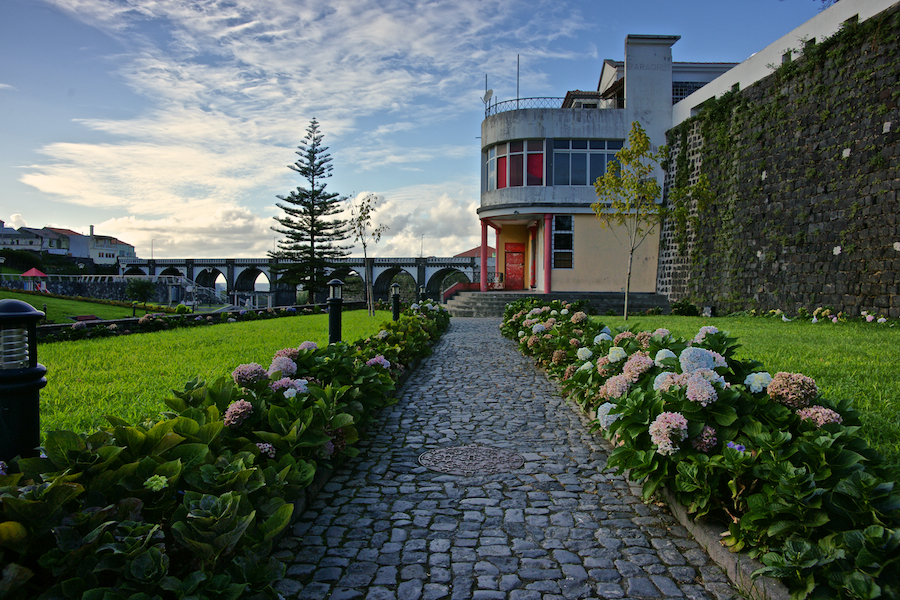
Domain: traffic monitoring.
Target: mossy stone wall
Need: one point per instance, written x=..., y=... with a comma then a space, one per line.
x=804, y=168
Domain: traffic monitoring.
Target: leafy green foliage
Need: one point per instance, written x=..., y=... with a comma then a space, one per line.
x=794, y=484
x=187, y=504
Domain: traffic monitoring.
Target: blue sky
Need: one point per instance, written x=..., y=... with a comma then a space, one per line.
x=175, y=120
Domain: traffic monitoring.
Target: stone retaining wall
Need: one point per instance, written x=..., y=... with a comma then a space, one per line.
x=803, y=167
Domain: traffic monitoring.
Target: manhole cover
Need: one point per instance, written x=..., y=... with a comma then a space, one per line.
x=471, y=460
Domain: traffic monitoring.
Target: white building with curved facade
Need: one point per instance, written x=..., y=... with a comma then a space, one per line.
x=540, y=157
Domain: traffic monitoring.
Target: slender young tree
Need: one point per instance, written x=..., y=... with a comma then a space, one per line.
x=312, y=233
x=361, y=226
x=627, y=195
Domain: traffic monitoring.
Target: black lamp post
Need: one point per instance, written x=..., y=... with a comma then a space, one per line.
x=21, y=378
x=421, y=293
x=395, y=301
x=334, y=310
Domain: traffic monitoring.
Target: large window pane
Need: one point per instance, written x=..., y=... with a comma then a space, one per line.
x=492, y=175
x=535, y=169
x=516, y=169
x=598, y=167
x=560, y=168
x=501, y=172
x=579, y=168
x=562, y=223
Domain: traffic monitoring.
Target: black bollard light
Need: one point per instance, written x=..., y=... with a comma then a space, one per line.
x=395, y=301
x=334, y=310
x=21, y=378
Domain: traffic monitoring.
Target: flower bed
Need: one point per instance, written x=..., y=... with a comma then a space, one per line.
x=781, y=468
x=187, y=505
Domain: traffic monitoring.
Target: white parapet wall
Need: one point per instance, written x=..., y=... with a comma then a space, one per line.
x=758, y=66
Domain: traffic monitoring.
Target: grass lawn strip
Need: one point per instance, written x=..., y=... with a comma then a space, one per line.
x=129, y=376
x=847, y=360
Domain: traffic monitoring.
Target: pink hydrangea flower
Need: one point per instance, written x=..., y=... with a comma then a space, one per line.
x=706, y=441
x=284, y=364
x=700, y=390
x=248, y=374
x=819, y=415
x=307, y=345
x=794, y=390
x=379, y=360
x=636, y=365
x=237, y=413
x=667, y=431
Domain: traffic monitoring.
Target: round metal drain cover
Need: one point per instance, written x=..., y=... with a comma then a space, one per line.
x=471, y=460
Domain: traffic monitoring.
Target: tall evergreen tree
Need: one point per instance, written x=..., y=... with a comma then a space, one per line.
x=312, y=238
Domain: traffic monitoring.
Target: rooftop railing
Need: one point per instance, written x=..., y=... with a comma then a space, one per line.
x=551, y=102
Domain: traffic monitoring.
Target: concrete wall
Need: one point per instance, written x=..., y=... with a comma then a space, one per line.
x=601, y=261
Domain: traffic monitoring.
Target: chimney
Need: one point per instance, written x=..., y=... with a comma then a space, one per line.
x=92, y=231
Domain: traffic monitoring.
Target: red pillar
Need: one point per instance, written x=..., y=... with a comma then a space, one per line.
x=548, y=231
x=484, y=253
x=532, y=235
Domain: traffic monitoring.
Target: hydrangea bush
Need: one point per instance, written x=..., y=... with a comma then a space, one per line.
x=188, y=504
x=779, y=466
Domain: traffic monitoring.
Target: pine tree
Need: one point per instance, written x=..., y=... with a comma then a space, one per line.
x=312, y=238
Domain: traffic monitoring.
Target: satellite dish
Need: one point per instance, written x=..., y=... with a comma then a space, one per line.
x=487, y=96
x=189, y=289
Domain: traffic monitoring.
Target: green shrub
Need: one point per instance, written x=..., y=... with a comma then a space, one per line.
x=685, y=308
x=783, y=469
x=187, y=505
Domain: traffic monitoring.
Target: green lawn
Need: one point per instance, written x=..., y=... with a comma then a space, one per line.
x=848, y=360
x=59, y=310
x=129, y=376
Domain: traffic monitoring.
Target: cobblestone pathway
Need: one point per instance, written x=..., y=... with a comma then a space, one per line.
x=385, y=527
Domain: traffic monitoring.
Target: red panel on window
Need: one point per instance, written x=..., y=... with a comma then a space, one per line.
x=535, y=169
x=501, y=172
x=516, y=170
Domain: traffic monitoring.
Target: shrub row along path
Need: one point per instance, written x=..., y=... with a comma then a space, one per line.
x=558, y=527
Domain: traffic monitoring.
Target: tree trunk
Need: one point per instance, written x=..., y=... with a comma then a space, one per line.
x=628, y=283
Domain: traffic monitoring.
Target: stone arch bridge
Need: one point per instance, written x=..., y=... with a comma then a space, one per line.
x=241, y=273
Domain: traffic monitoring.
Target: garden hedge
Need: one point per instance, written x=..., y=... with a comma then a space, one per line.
x=187, y=504
x=780, y=467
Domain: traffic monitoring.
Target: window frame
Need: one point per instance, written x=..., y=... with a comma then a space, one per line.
x=559, y=229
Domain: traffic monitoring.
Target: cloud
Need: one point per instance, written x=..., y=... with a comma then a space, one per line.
x=16, y=220
x=6, y=86
x=229, y=232
x=233, y=83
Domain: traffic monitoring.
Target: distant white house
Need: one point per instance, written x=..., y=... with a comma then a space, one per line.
x=101, y=249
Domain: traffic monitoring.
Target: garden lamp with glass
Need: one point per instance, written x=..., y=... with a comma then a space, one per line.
x=21, y=378
x=395, y=301
x=334, y=310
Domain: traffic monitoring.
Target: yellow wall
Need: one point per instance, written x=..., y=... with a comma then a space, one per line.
x=601, y=262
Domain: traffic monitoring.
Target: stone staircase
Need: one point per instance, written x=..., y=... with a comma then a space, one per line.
x=491, y=304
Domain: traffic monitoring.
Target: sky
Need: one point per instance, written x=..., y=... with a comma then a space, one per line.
x=170, y=124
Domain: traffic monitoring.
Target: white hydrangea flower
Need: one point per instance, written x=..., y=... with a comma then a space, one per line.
x=538, y=328
x=586, y=366
x=521, y=333
x=616, y=354
x=662, y=355
x=564, y=311
x=584, y=353
x=757, y=382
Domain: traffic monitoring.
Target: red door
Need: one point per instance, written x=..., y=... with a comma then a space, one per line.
x=515, y=266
